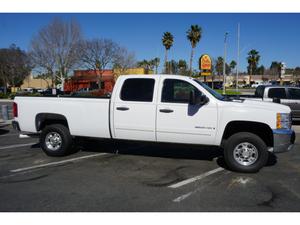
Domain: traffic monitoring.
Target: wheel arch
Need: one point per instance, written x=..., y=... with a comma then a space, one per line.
x=44, y=119
x=260, y=129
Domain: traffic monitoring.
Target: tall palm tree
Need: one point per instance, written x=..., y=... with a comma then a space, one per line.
x=193, y=35
x=167, y=41
x=253, y=60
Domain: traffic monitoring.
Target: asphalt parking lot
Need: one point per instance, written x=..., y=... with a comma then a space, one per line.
x=108, y=176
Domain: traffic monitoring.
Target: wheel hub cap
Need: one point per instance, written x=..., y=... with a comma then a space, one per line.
x=53, y=141
x=245, y=154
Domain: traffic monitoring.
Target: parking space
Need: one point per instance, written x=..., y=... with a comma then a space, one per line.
x=108, y=176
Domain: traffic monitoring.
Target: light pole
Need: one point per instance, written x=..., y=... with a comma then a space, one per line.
x=224, y=62
x=238, y=58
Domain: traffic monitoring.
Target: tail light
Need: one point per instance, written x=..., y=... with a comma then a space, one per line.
x=15, y=109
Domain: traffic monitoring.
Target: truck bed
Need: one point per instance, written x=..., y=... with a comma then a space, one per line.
x=85, y=116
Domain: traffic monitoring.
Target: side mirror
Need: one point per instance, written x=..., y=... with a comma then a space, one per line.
x=199, y=100
x=276, y=100
x=203, y=100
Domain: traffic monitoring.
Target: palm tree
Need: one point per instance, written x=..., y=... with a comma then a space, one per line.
x=253, y=59
x=156, y=62
x=167, y=41
x=193, y=35
x=182, y=65
x=145, y=64
x=232, y=65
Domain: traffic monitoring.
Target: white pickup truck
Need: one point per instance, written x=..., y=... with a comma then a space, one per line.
x=161, y=108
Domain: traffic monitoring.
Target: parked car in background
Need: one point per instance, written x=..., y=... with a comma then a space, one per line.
x=49, y=92
x=286, y=95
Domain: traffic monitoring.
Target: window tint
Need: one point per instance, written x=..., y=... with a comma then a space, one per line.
x=177, y=91
x=138, y=89
x=294, y=93
x=277, y=93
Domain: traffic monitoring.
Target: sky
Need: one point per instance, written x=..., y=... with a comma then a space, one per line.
x=275, y=36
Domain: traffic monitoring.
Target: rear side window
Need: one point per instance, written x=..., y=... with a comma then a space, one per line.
x=177, y=91
x=138, y=89
x=294, y=93
x=277, y=93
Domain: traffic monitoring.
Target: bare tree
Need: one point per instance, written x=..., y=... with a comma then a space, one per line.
x=97, y=54
x=124, y=60
x=56, y=48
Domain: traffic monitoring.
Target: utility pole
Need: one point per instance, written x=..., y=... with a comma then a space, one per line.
x=238, y=58
x=224, y=62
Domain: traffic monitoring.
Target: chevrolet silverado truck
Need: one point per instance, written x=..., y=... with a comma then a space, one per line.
x=161, y=108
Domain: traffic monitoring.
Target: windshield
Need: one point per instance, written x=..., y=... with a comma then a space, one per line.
x=211, y=91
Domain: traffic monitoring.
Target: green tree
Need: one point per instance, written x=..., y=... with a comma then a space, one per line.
x=193, y=35
x=14, y=66
x=253, y=61
x=232, y=65
x=275, y=68
x=219, y=65
x=260, y=70
x=147, y=65
x=167, y=41
x=182, y=66
x=174, y=67
x=156, y=62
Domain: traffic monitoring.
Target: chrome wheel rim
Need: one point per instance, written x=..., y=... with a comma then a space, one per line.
x=245, y=154
x=53, y=141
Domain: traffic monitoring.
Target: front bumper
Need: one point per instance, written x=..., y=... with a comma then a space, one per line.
x=283, y=140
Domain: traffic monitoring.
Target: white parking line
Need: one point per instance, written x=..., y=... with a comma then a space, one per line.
x=193, y=179
x=17, y=146
x=57, y=163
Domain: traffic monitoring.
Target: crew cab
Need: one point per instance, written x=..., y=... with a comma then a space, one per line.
x=161, y=108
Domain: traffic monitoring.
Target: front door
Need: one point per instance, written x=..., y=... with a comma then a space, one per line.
x=180, y=122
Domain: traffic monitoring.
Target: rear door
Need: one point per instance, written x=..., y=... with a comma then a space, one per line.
x=134, y=110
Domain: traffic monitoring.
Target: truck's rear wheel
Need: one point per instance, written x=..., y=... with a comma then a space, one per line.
x=245, y=152
x=56, y=140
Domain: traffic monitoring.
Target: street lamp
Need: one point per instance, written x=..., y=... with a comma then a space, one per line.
x=224, y=62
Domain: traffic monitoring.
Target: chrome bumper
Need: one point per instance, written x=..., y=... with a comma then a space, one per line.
x=283, y=140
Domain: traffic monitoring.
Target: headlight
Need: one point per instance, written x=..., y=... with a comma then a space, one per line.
x=283, y=121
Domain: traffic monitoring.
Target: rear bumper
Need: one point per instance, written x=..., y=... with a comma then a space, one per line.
x=283, y=140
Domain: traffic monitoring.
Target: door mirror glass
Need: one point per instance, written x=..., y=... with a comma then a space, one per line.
x=197, y=99
x=203, y=100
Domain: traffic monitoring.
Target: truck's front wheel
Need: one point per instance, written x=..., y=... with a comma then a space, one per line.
x=55, y=140
x=245, y=152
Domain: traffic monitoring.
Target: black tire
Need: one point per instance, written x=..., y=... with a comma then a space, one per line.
x=257, y=142
x=66, y=140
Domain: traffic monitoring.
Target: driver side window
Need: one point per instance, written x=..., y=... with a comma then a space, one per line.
x=178, y=91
